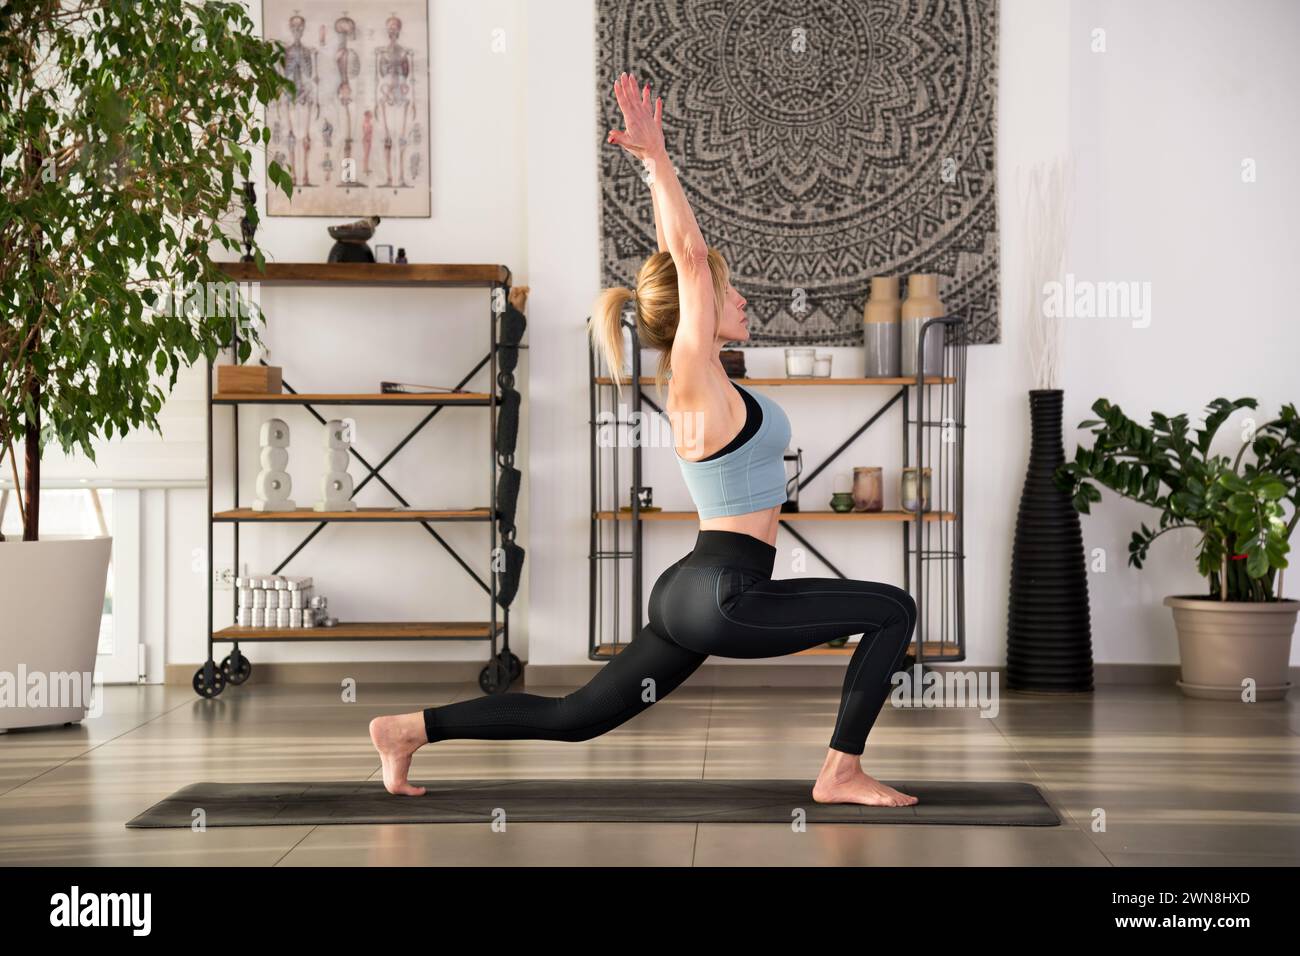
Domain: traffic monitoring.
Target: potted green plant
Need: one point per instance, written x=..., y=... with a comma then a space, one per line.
x=123, y=127
x=1235, y=640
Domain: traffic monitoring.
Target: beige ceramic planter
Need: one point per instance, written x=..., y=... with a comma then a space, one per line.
x=1223, y=643
x=51, y=602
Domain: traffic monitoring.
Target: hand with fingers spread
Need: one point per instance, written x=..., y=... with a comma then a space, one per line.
x=643, y=133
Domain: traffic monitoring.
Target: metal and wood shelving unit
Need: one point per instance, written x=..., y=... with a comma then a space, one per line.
x=933, y=435
x=503, y=479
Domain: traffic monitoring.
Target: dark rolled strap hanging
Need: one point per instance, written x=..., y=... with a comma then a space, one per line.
x=511, y=332
x=507, y=497
x=508, y=579
x=507, y=357
x=512, y=327
x=508, y=422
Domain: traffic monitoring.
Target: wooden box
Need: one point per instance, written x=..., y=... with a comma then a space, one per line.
x=249, y=379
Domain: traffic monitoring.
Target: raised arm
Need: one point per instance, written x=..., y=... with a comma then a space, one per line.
x=660, y=241
x=675, y=226
x=659, y=223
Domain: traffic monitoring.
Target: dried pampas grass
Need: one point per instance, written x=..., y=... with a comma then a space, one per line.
x=1044, y=192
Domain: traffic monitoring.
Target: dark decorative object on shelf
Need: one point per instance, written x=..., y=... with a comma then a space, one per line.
x=248, y=222
x=793, y=469
x=1049, y=632
x=350, y=240
x=401, y=257
x=733, y=362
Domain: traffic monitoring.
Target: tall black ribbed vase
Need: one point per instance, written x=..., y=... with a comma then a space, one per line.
x=1049, y=632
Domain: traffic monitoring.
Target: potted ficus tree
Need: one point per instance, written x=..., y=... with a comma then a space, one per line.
x=123, y=128
x=1235, y=640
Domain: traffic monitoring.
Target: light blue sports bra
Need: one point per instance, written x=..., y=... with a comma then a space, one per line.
x=748, y=478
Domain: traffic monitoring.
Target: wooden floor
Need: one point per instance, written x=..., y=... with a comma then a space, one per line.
x=1178, y=781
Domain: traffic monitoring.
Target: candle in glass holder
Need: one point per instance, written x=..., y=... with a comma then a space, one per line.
x=841, y=495
x=799, y=363
x=822, y=365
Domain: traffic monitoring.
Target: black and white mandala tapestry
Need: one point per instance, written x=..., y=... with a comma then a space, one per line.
x=820, y=142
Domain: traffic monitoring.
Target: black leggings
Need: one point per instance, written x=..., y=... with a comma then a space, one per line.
x=720, y=599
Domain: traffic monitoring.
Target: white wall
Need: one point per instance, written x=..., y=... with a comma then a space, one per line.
x=1160, y=124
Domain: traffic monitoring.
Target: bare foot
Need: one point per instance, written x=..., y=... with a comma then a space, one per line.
x=397, y=739
x=843, y=780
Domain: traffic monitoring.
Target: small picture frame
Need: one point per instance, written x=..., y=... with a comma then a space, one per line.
x=383, y=252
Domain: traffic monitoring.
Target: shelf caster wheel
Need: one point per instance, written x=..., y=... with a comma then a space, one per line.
x=495, y=677
x=236, y=672
x=516, y=665
x=209, y=681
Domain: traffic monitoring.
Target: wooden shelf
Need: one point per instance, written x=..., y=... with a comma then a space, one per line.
x=344, y=398
x=365, y=631
x=788, y=516
x=934, y=650
x=895, y=380
x=447, y=275
x=360, y=515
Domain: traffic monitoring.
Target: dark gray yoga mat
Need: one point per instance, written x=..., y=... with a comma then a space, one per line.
x=590, y=801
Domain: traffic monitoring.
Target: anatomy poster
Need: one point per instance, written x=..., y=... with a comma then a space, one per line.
x=355, y=133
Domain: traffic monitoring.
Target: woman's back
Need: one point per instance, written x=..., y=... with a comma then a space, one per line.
x=738, y=488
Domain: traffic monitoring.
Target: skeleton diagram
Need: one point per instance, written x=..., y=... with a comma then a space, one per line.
x=394, y=99
x=367, y=138
x=349, y=66
x=299, y=108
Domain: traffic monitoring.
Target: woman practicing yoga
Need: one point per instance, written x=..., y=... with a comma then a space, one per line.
x=720, y=599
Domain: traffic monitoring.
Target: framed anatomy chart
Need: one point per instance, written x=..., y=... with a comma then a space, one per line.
x=355, y=132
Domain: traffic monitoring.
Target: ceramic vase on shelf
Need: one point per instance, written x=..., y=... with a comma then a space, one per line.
x=842, y=494
x=1049, y=634
x=921, y=305
x=868, y=489
x=880, y=328
x=914, y=489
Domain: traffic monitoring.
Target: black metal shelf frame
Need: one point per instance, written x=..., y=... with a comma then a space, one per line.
x=933, y=430
x=503, y=665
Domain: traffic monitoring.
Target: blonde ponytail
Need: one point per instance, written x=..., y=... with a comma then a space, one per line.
x=656, y=310
x=606, y=328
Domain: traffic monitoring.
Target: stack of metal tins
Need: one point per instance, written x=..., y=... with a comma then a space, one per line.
x=274, y=600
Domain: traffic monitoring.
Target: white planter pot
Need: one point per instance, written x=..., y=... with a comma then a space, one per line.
x=1223, y=643
x=51, y=604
